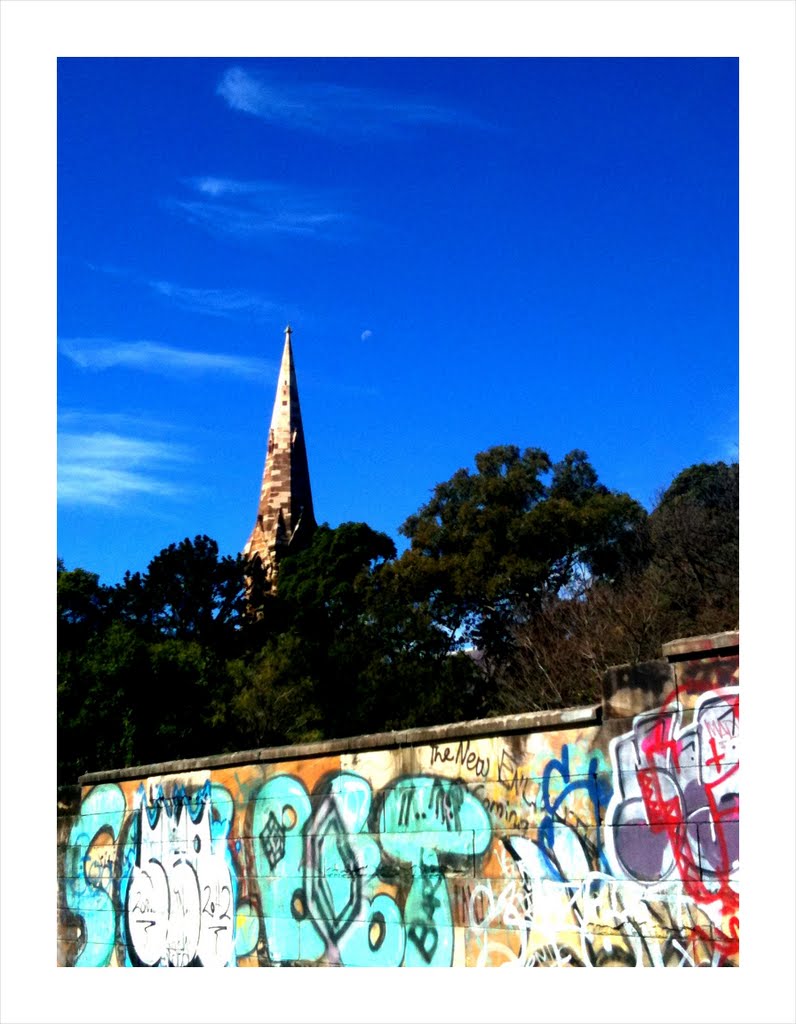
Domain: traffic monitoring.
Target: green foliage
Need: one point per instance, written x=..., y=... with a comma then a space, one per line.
x=142, y=667
x=275, y=695
x=82, y=605
x=491, y=547
x=98, y=701
x=695, y=546
x=189, y=593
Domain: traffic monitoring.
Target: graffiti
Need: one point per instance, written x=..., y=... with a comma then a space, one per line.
x=501, y=811
x=609, y=921
x=322, y=895
x=675, y=807
x=273, y=840
x=660, y=891
x=511, y=776
x=537, y=920
x=465, y=756
x=312, y=893
x=497, y=913
x=559, y=784
x=89, y=870
x=180, y=906
x=559, y=848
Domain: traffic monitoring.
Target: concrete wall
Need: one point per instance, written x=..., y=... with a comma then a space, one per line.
x=596, y=836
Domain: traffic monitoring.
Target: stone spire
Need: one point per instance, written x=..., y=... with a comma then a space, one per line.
x=285, y=519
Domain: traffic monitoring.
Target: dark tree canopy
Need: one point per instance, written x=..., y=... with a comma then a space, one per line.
x=364, y=659
x=189, y=592
x=82, y=605
x=143, y=665
x=695, y=547
x=490, y=547
x=332, y=572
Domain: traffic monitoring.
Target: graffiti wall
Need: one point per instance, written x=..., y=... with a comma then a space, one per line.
x=613, y=843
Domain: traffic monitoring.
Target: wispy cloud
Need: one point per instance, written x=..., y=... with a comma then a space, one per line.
x=108, y=268
x=103, y=468
x=229, y=186
x=255, y=209
x=151, y=357
x=84, y=421
x=225, y=302
x=329, y=109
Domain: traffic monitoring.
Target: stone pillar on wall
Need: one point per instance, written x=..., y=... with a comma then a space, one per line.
x=717, y=653
x=693, y=663
x=285, y=518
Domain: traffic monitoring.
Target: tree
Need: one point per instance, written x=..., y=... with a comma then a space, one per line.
x=323, y=585
x=351, y=655
x=143, y=666
x=695, y=545
x=82, y=605
x=99, y=692
x=679, y=579
x=552, y=576
x=560, y=655
x=491, y=547
x=190, y=593
x=275, y=698
x=303, y=683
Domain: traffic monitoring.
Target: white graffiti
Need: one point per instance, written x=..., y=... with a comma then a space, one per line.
x=180, y=896
x=592, y=921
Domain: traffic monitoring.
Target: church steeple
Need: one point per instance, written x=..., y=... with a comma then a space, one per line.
x=285, y=518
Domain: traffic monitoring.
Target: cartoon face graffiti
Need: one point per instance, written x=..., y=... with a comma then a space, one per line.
x=216, y=937
x=180, y=895
x=148, y=911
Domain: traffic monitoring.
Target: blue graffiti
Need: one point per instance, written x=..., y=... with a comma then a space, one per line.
x=558, y=784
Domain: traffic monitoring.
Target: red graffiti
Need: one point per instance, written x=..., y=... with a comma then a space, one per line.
x=665, y=811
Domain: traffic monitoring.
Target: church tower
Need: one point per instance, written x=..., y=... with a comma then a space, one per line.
x=285, y=518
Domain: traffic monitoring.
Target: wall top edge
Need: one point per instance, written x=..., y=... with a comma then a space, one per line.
x=701, y=644
x=527, y=721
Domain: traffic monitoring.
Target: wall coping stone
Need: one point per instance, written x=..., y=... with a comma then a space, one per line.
x=707, y=645
x=590, y=714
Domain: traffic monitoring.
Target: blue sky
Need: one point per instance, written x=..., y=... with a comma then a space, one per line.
x=541, y=252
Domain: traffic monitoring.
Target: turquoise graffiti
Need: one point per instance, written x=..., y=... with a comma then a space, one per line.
x=90, y=870
x=324, y=859
x=424, y=819
x=317, y=868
